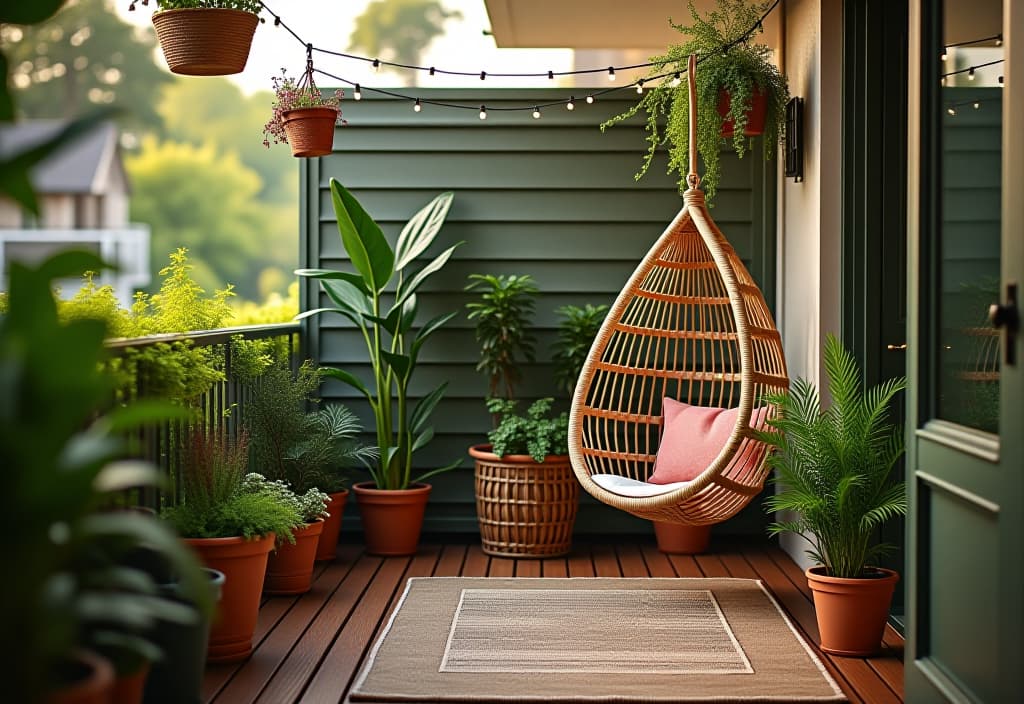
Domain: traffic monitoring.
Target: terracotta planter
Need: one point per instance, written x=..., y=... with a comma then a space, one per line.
x=290, y=567
x=205, y=41
x=128, y=688
x=327, y=548
x=392, y=519
x=755, y=115
x=525, y=508
x=244, y=564
x=852, y=613
x=88, y=679
x=310, y=130
x=678, y=539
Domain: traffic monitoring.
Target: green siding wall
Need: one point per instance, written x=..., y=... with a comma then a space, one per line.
x=554, y=198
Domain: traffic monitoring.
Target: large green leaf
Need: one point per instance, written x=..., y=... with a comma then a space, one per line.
x=426, y=331
x=421, y=230
x=363, y=239
x=346, y=295
x=407, y=289
x=401, y=363
x=354, y=279
x=421, y=414
x=347, y=378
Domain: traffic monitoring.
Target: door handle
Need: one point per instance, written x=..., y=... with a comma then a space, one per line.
x=1006, y=316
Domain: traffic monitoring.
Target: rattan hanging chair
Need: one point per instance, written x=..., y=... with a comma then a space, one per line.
x=690, y=325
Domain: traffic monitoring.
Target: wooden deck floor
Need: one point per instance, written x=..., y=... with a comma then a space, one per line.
x=309, y=648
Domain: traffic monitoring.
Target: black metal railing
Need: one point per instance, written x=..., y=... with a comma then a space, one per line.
x=220, y=408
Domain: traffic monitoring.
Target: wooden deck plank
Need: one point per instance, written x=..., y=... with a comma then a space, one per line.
x=581, y=561
x=527, y=568
x=477, y=562
x=631, y=561
x=554, y=567
x=658, y=563
x=606, y=562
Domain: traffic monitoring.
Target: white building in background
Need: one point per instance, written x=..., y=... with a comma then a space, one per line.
x=83, y=194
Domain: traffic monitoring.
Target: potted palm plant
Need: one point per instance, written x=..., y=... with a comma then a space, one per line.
x=740, y=92
x=834, y=473
x=232, y=524
x=205, y=37
x=63, y=461
x=380, y=299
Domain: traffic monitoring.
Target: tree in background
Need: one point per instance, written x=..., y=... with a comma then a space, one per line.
x=400, y=30
x=206, y=200
x=83, y=57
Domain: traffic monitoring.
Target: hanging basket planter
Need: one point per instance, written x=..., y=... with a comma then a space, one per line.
x=205, y=41
x=310, y=130
x=755, y=115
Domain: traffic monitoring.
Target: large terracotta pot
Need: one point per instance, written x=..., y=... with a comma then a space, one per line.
x=678, y=539
x=290, y=567
x=88, y=678
x=755, y=115
x=244, y=564
x=128, y=688
x=327, y=548
x=392, y=519
x=205, y=41
x=525, y=508
x=310, y=130
x=852, y=613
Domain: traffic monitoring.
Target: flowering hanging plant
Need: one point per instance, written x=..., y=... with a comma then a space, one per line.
x=253, y=6
x=292, y=95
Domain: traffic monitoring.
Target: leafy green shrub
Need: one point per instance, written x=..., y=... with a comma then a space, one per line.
x=536, y=434
x=310, y=506
x=503, y=314
x=576, y=335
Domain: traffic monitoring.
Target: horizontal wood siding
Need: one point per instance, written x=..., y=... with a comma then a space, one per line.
x=554, y=198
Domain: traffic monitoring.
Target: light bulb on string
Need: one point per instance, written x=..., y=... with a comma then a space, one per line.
x=951, y=111
x=432, y=70
x=676, y=80
x=945, y=53
x=977, y=105
x=417, y=106
x=970, y=74
x=611, y=73
x=590, y=100
x=357, y=93
x=943, y=81
x=999, y=40
x=1000, y=81
x=483, y=112
x=640, y=87
x=570, y=105
x=536, y=113
x=376, y=65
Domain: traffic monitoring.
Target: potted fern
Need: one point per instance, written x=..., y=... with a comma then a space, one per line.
x=834, y=473
x=205, y=37
x=740, y=92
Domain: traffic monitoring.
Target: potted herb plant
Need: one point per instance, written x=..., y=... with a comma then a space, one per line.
x=740, y=92
x=232, y=524
x=834, y=473
x=302, y=116
x=308, y=449
x=205, y=37
x=380, y=299
x=63, y=461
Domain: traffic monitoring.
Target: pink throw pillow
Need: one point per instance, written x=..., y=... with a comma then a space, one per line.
x=691, y=438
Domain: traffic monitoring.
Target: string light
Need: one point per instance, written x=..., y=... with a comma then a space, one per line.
x=570, y=105
x=418, y=106
x=590, y=100
x=951, y=111
x=676, y=80
x=432, y=70
x=945, y=53
x=999, y=40
x=483, y=112
x=943, y=81
x=1000, y=81
x=357, y=93
x=970, y=74
x=483, y=75
x=611, y=73
x=536, y=112
x=376, y=65
x=976, y=105
x=640, y=87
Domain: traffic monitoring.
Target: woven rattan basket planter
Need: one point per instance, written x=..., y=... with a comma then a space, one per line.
x=205, y=41
x=310, y=130
x=525, y=508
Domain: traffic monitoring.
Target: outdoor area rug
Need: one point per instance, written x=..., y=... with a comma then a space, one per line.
x=463, y=639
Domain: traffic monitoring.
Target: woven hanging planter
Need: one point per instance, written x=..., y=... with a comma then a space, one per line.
x=205, y=41
x=525, y=508
x=310, y=130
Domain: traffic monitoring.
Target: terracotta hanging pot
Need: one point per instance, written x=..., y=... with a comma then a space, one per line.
x=205, y=41
x=244, y=564
x=678, y=539
x=852, y=613
x=310, y=130
x=86, y=678
x=290, y=567
x=525, y=508
x=392, y=519
x=755, y=115
x=327, y=548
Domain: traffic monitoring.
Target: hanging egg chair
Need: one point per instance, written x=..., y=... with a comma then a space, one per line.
x=689, y=339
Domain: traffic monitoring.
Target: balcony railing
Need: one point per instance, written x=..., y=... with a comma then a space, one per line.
x=221, y=407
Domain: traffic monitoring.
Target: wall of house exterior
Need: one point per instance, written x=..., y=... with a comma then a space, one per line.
x=554, y=198
x=810, y=211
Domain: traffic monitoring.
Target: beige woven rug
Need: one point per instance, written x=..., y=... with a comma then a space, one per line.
x=462, y=639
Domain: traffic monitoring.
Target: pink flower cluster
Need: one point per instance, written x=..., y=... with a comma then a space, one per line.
x=288, y=95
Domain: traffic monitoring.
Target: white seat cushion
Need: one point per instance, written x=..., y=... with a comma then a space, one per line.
x=624, y=486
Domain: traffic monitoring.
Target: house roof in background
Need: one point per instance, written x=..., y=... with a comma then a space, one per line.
x=79, y=167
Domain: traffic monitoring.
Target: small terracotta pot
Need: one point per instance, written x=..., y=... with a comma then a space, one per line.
x=755, y=115
x=327, y=548
x=852, y=613
x=392, y=518
x=205, y=41
x=244, y=564
x=310, y=130
x=678, y=539
x=128, y=688
x=290, y=567
x=90, y=680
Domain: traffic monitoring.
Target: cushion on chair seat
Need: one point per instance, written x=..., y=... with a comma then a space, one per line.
x=624, y=486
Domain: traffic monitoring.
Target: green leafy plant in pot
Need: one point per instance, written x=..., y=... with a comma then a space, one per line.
x=62, y=459
x=381, y=299
x=737, y=86
x=834, y=475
